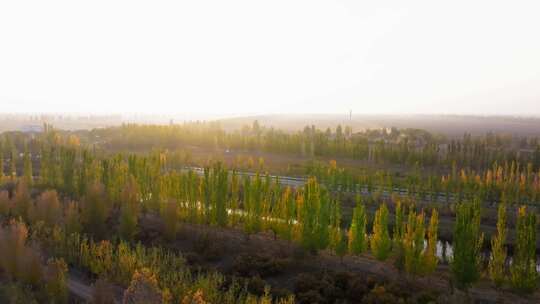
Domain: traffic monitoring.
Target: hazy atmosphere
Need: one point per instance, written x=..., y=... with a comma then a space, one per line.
x=239, y=57
x=270, y=152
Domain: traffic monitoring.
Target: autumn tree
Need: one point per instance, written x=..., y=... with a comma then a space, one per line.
x=413, y=242
x=21, y=201
x=143, y=289
x=380, y=240
x=47, y=208
x=498, y=251
x=13, y=248
x=430, y=254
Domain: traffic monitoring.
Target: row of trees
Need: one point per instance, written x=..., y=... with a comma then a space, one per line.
x=511, y=182
x=520, y=271
x=381, y=145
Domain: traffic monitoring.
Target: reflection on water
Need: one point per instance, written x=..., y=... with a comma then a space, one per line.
x=445, y=253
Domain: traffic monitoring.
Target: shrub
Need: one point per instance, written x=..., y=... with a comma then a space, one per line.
x=143, y=289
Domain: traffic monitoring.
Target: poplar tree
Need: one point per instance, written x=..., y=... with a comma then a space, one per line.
x=290, y=214
x=467, y=244
x=430, y=255
x=72, y=219
x=315, y=217
x=523, y=269
x=95, y=210
x=27, y=166
x=380, y=240
x=413, y=242
x=498, y=251
x=129, y=207
x=323, y=216
x=233, y=203
x=253, y=204
x=1, y=162
x=220, y=195
x=336, y=235
x=399, y=230
x=22, y=201
x=357, y=231
x=13, y=164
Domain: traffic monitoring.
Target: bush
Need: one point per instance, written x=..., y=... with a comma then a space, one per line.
x=256, y=286
x=250, y=265
x=379, y=295
x=208, y=246
x=143, y=289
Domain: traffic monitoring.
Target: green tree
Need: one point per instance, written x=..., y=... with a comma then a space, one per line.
x=357, y=231
x=13, y=164
x=95, y=210
x=467, y=244
x=22, y=201
x=380, y=240
x=523, y=268
x=498, y=251
x=398, y=235
x=1, y=162
x=314, y=217
x=341, y=245
x=130, y=207
x=72, y=219
x=27, y=168
x=219, y=195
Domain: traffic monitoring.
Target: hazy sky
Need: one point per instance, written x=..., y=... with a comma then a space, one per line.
x=274, y=56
